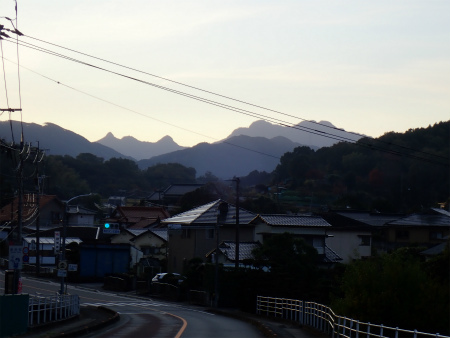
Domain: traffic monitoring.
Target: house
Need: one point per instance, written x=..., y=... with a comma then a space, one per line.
x=351, y=230
x=50, y=211
x=313, y=229
x=78, y=215
x=350, y=238
x=192, y=234
x=227, y=253
x=152, y=242
x=137, y=217
x=427, y=229
x=172, y=193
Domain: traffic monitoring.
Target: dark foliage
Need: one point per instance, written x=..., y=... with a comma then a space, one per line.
x=400, y=289
x=396, y=172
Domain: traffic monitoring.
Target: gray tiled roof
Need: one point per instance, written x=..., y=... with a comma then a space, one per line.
x=294, y=220
x=228, y=249
x=441, y=211
x=435, y=250
x=181, y=189
x=136, y=232
x=207, y=214
x=423, y=220
x=161, y=232
x=331, y=256
x=370, y=218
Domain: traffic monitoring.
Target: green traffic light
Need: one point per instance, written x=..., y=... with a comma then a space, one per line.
x=107, y=225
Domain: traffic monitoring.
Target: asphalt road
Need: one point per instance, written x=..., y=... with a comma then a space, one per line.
x=148, y=317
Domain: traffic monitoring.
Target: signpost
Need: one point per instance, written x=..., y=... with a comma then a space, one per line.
x=57, y=245
x=15, y=257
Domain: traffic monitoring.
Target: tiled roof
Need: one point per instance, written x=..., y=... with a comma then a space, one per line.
x=373, y=219
x=160, y=232
x=29, y=205
x=142, y=224
x=228, y=249
x=294, y=220
x=75, y=209
x=435, y=250
x=331, y=256
x=423, y=220
x=441, y=211
x=208, y=213
x=338, y=221
x=138, y=217
x=136, y=232
x=181, y=189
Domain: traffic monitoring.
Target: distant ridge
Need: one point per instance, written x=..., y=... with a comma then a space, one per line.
x=306, y=132
x=229, y=158
x=139, y=150
x=57, y=140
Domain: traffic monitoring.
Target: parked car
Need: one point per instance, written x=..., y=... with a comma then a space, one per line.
x=168, y=278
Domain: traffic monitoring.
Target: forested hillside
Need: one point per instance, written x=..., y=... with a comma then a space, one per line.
x=396, y=172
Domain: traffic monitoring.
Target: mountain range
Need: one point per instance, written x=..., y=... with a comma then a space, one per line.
x=258, y=147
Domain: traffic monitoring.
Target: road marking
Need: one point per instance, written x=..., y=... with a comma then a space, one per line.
x=144, y=304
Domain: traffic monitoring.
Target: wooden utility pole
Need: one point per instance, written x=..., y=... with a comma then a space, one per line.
x=236, y=179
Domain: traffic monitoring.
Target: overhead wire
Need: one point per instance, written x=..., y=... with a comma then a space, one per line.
x=141, y=114
x=194, y=97
x=217, y=94
x=240, y=110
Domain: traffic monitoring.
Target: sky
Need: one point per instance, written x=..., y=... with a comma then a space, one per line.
x=369, y=67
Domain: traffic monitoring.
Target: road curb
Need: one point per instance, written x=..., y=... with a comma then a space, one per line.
x=267, y=331
x=114, y=317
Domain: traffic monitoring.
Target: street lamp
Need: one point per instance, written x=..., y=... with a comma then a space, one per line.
x=63, y=247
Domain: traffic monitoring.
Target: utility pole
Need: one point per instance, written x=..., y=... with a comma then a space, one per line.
x=237, y=180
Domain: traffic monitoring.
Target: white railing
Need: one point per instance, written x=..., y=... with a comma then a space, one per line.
x=42, y=310
x=323, y=318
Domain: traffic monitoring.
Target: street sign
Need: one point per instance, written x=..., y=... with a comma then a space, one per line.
x=15, y=257
x=62, y=273
x=57, y=245
x=111, y=231
x=62, y=265
x=73, y=267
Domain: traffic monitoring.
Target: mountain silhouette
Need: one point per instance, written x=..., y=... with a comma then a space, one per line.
x=309, y=133
x=57, y=140
x=139, y=150
x=236, y=156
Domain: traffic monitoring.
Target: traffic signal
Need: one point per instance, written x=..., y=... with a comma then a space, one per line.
x=106, y=225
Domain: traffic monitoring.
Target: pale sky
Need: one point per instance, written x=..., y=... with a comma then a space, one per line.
x=366, y=66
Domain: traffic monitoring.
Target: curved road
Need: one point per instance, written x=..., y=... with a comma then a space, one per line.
x=144, y=317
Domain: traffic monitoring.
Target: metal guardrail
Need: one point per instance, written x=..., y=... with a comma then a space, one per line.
x=42, y=310
x=323, y=318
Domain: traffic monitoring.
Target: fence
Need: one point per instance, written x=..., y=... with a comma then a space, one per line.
x=43, y=310
x=322, y=318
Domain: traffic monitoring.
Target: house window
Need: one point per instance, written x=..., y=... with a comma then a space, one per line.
x=210, y=233
x=365, y=240
x=151, y=250
x=436, y=235
x=402, y=234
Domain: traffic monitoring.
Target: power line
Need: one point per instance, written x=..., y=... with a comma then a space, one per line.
x=243, y=111
x=204, y=100
x=217, y=94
